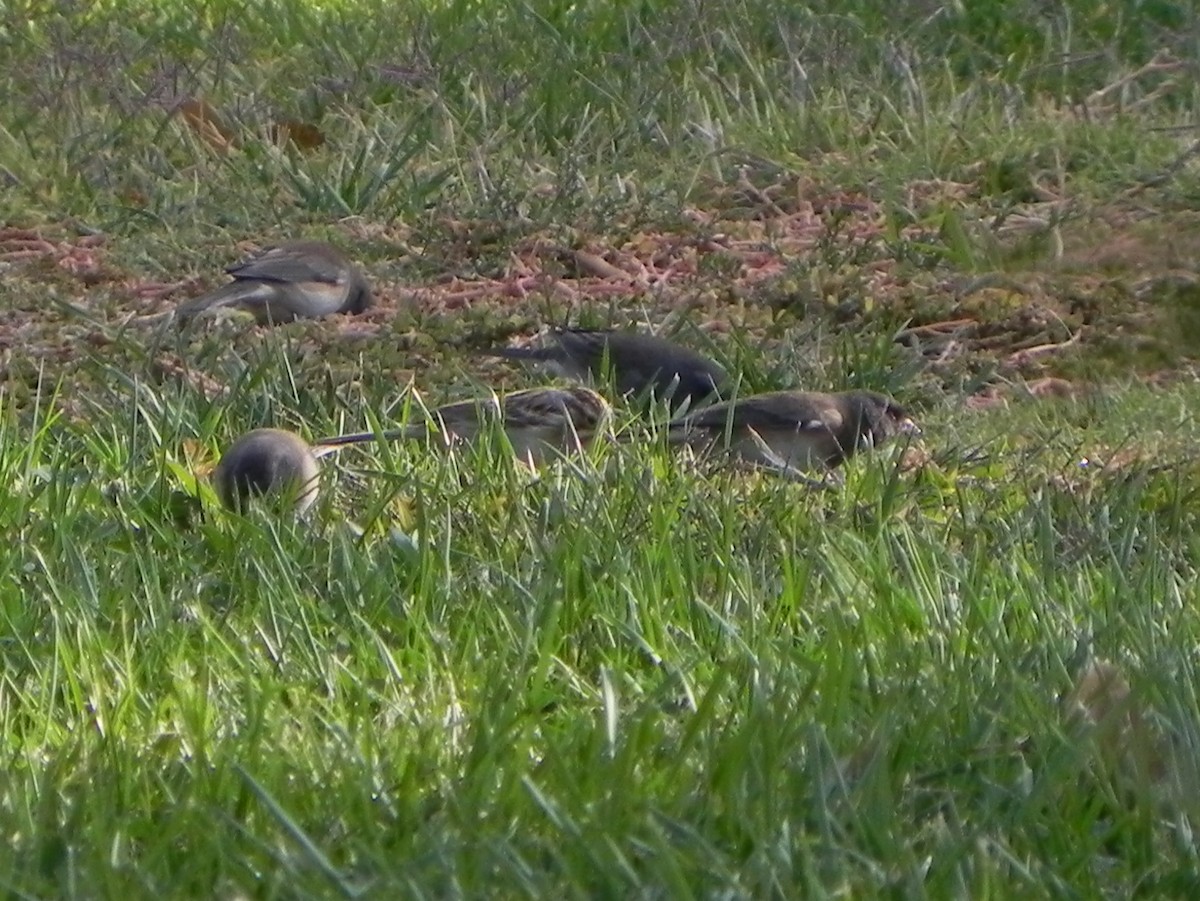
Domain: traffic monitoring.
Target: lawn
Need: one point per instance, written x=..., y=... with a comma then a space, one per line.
x=968, y=671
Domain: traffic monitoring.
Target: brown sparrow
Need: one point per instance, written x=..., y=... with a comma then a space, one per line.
x=793, y=431
x=538, y=422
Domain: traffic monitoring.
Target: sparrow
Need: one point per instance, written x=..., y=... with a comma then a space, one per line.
x=793, y=431
x=640, y=363
x=267, y=462
x=296, y=280
x=539, y=422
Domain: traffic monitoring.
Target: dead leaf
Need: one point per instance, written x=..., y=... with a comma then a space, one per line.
x=195, y=453
x=304, y=135
x=1051, y=387
x=595, y=265
x=1101, y=693
x=915, y=458
x=989, y=398
x=203, y=118
x=134, y=198
x=170, y=367
x=1104, y=703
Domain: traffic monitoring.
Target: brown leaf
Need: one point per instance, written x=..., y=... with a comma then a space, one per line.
x=135, y=198
x=203, y=118
x=195, y=453
x=1103, y=700
x=915, y=458
x=304, y=135
x=988, y=398
x=595, y=265
x=1101, y=693
x=1051, y=387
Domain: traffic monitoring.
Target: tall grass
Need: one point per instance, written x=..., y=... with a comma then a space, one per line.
x=635, y=675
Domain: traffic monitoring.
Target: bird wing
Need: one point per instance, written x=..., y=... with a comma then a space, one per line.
x=642, y=363
x=637, y=351
x=299, y=262
x=544, y=408
x=463, y=417
x=523, y=353
x=586, y=346
x=773, y=412
x=535, y=408
x=235, y=293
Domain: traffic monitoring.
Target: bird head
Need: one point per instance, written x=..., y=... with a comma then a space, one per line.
x=880, y=417
x=360, y=298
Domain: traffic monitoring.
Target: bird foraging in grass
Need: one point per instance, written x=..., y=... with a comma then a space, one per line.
x=539, y=422
x=790, y=432
x=268, y=462
x=296, y=280
x=639, y=363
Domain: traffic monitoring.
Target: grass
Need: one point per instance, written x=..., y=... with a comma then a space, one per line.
x=634, y=676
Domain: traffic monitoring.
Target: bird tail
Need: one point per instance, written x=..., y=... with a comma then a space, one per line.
x=235, y=292
x=672, y=434
x=683, y=433
x=542, y=354
x=675, y=434
x=325, y=446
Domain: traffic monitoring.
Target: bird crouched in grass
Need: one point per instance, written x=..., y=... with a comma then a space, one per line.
x=268, y=463
x=789, y=432
x=296, y=280
x=639, y=363
x=539, y=422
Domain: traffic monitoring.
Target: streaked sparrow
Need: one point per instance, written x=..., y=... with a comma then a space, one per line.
x=539, y=422
x=793, y=431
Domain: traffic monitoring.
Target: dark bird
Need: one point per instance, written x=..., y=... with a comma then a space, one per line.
x=640, y=364
x=296, y=280
x=268, y=462
x=539, y=422
x=793, y=431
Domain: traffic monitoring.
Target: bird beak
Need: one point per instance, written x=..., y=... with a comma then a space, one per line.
x=907, y=427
